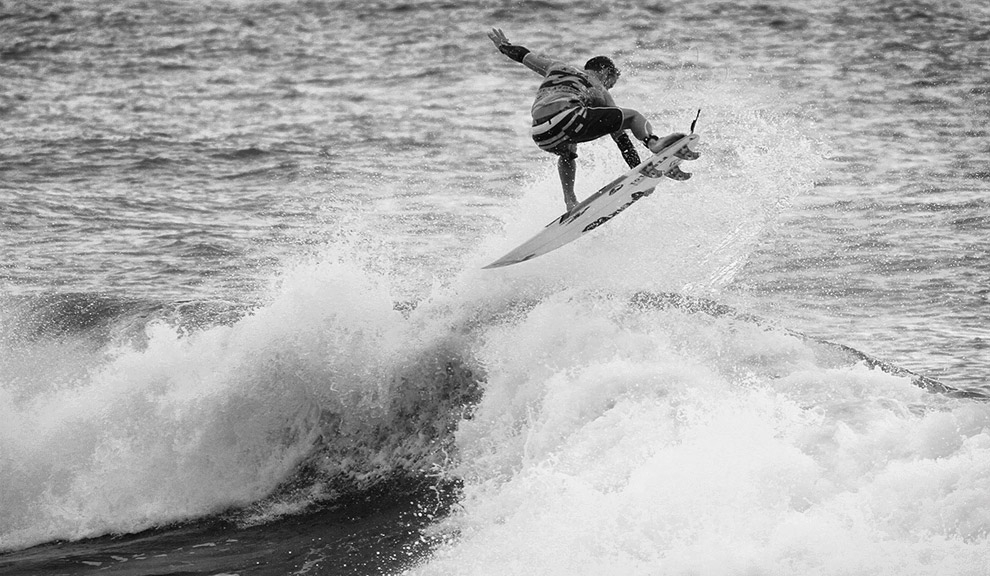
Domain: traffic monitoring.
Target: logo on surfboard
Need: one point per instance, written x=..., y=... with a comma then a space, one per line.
x=636, y=196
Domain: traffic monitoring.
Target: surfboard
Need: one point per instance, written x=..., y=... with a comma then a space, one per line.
x=606, y=203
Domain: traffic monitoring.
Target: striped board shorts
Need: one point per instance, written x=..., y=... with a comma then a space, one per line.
x=557, y=133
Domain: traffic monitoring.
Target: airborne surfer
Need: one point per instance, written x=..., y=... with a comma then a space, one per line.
x=573, y=106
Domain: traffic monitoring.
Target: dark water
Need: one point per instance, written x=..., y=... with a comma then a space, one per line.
x=376, y=532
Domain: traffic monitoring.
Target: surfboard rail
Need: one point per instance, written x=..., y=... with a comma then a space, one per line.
x=607, y=203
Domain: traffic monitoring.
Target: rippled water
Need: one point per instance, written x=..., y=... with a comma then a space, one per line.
x=255, y=229
x=184, y=150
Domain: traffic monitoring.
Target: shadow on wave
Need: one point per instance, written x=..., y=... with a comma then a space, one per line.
x=376, y=531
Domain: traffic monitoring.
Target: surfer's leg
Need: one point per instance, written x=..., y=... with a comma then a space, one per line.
x=633, y=120
x=643, y=131
x=567, y=169
x=566, y=151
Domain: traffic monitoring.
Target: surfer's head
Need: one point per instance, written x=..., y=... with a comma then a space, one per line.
x=604, y=68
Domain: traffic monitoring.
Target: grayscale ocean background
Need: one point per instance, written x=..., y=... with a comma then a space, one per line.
x=244, y=329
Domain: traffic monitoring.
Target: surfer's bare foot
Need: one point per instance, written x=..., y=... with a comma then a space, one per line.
x=656, y=143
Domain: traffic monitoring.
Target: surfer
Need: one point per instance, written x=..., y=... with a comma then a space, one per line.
x=573, y=106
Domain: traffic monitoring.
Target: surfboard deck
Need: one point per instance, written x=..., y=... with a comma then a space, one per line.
x=604, y=204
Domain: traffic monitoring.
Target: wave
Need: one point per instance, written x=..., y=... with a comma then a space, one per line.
x=326, y=391
x=329, y=391
x=565, y=401
x=676, y=435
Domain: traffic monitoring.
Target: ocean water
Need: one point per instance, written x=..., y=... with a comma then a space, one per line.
x=244, y=327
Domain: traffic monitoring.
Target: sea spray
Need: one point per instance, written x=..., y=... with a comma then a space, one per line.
x=692, y=236
x=328, y=386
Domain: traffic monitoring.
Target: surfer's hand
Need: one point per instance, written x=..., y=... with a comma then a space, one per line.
x=517, y=53
x=498, y=37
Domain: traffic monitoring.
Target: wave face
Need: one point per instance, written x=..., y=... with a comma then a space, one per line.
x=619, y=437
x=115, y=421
x=675, y=421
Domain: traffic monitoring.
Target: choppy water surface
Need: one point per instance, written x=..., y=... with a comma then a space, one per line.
x=240, y=251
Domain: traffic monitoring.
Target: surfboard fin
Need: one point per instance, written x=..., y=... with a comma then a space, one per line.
x=675, y=173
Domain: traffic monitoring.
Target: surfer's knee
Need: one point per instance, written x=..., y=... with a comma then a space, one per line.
x=635, y=121
x=565, y=151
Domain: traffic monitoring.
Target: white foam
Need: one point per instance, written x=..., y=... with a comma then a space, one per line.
x=190, y=424
x=606, y=445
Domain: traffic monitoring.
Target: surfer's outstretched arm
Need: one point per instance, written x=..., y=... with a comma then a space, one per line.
x=535, y=62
